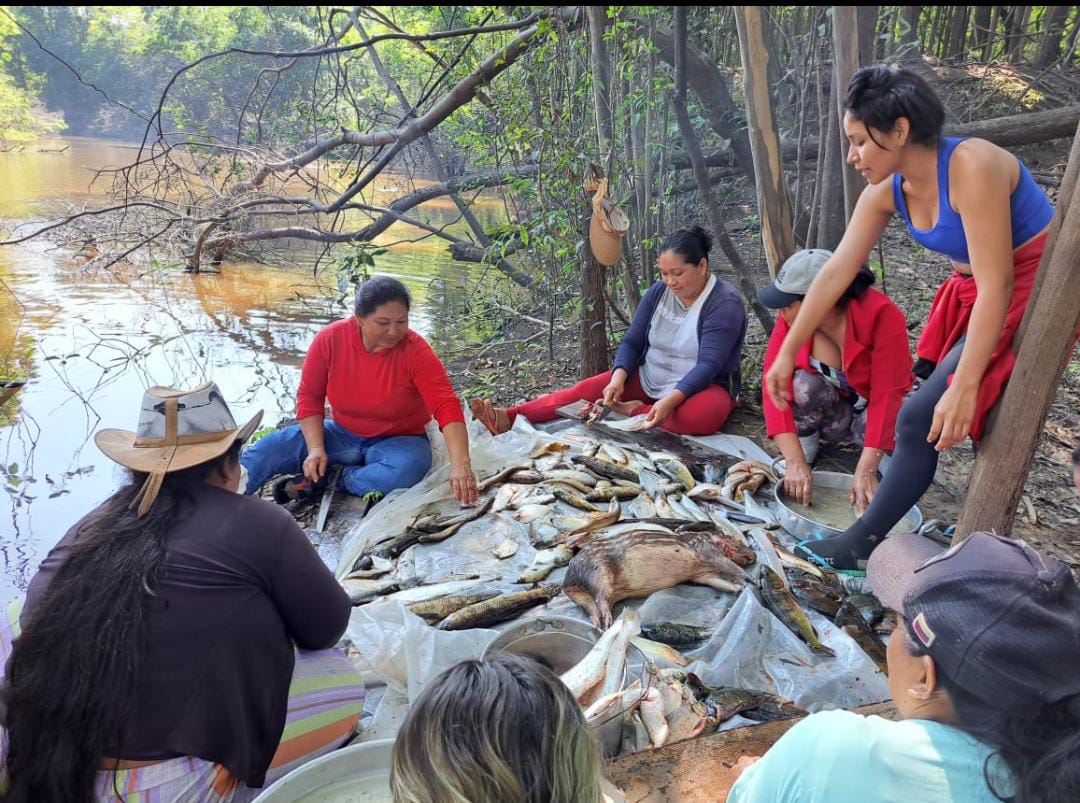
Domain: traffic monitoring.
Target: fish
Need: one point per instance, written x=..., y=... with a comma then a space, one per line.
x=614, y=704
x=661, y=653
x=595, y=521
x=713, y=493
x=726, y=701
x=569, y=482
x=850, y=619
x=652, y=717
x=887, y=624
x=591, y=448
x=379, y=567
x=589, y=673
x=771, y=708
x=365, y=590
x=780, y=601
x=549, y=448
x=552, y=462
x=664, y=508
x=504, y=497
x=614, y=492
x=677, y=470
x=543, y=534
x=433, y=610
x=687, y=721
x=637, y=563
x=822, y=573
x=642, y=507
x=506, y=548
x=615, y=669
x=574, y=499
x=641, y=456
x=749, y=486
x=529, y=513
x=726, y=527
x=501, y=477
x=813, y=593
x=613, y=453
x=694, y=508
x=441, y=587
x=754, y=467
x=680, y=511
x=869, y=606
x=675, y=635
x=452, y=525
x=497, y=609
x=605, y=468
x=544, y=562
x=582, y=477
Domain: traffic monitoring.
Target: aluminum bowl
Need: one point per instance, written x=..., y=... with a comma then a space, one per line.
x=806, y=529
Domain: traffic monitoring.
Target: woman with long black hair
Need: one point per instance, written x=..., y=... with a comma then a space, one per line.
x=967, y=199
x=158, y=657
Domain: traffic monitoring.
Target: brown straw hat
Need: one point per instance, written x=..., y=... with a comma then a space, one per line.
x=177, y=429
x=607, y=227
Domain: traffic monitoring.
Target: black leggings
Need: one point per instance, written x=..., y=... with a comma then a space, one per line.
x=914, y=461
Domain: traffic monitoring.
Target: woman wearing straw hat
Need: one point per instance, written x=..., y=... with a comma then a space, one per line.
x=158, y=649
x=384, y=384
x=679, y=361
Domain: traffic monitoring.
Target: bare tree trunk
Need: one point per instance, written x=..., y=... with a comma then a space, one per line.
x=831, y=220
x=594, y=351
x=774, y=206
x=1048, y=331
x=981, y=34
x=845, y=63
x=743, y=275
x=1016, y=25
x=1070, y=47
x=1053, y=29
x=868, y=18
x=911, y=50
x=958, y=32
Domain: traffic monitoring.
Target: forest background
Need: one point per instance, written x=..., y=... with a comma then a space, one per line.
x=262, y=125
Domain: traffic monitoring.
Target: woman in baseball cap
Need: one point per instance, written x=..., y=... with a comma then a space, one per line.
x=983, y=671
x=849, y=380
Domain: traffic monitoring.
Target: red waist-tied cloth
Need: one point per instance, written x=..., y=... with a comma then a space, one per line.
x=951, y=312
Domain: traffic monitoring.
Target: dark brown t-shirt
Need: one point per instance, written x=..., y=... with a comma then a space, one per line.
x=241, y=586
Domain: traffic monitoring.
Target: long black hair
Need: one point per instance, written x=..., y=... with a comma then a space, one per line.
x=1041, y=750
x=878, y=96
x=863, y=280
x=72, y=675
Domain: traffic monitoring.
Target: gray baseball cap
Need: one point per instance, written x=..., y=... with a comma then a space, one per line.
x=1000, y=618
x=794, y=278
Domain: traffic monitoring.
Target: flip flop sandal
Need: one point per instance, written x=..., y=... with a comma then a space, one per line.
x=802, y=551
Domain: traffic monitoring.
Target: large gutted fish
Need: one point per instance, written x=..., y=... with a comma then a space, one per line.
x=851, y=620
x=780, y=601
x=637, y=563
x=813, y=593
x=433, y=610
x=497, y=609
x=589, y=675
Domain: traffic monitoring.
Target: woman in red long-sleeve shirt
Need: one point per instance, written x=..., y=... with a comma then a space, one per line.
x=384, y=383
x=849, y=380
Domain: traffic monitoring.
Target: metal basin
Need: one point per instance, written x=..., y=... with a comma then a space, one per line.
x=559, y=643
x=354, y=773
x=804, y=528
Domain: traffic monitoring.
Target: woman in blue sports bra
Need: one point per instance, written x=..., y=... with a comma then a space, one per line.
x=967, y=199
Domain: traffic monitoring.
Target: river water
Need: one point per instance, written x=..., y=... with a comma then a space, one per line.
x=89, y=340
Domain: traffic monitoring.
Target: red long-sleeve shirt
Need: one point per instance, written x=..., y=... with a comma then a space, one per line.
x=877, y=363
x=392, y=392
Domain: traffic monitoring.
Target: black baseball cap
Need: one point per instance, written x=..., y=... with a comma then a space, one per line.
x=1001, y=619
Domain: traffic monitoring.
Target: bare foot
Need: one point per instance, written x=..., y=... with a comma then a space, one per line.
x=496, y=419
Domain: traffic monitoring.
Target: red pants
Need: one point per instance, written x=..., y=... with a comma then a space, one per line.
x=702, y=414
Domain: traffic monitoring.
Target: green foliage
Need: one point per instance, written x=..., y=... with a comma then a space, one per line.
x=353, y=266
x=22, y=118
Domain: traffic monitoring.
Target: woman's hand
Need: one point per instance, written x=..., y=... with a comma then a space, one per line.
x=953, y=415
x=463, y=484
x=315, y=464
x=662, y=410
x=778, y=380
x=798, y=481
x=615, y=387
x=862, y=490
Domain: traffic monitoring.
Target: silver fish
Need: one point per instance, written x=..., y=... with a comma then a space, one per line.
x=584, y=477
x=642, y=507
x=694, y=508
x=542, y=533
x=545, y=562
x=613, y=453
x=527, y=514
x=506, y=548
x=677, y=470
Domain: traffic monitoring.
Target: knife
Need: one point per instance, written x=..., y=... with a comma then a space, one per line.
x=327, y=498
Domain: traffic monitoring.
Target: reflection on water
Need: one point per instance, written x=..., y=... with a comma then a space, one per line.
x=90, y=341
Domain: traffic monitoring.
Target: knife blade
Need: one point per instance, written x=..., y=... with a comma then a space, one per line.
x=327, y=498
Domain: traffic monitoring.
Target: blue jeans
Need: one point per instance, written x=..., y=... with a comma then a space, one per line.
x=373, y=464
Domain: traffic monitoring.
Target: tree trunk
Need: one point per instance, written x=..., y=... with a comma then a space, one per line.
x=1005, y=455
x=1016, y=25
x=831, y=221
x=958, y=32
x=774, y=206
x=910, y=49
x=594, y=353
x=743, y=275
x=1070, y=47
x=1053, y=29
x=981, y=34
x=867, y=24
x=845, y=63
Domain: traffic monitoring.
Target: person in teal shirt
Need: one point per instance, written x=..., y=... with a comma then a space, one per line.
x=983, y=671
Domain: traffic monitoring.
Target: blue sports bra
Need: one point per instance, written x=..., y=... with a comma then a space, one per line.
x=1030, y=208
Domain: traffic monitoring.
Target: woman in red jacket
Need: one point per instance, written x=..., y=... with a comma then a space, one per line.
x=384, y=383
x=849, y=380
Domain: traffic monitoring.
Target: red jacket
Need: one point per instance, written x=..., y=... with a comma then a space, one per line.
x=877, y=363
x=392, y=392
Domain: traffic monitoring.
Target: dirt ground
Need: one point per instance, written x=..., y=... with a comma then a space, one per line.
x=509, y=372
